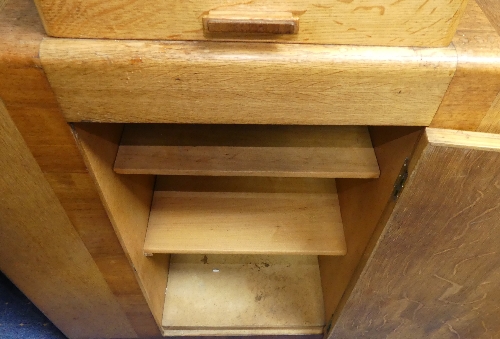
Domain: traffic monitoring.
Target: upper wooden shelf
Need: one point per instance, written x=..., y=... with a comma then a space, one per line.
x=237, y=215
x=247, y=150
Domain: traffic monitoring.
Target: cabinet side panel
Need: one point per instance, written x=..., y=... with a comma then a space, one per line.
x=41, y=252
x=435, y=270
x=127, y=200
x=362, y=203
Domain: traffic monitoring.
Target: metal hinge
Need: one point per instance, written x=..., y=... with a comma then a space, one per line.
x=328, y=328
x=400, y=180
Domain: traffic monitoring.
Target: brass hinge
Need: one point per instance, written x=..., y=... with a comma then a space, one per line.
x=400, y=180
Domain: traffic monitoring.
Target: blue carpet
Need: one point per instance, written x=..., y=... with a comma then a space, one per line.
x=19, y=318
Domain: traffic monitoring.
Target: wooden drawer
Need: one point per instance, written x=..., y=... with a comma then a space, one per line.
x=235, y=83
x=430, y=23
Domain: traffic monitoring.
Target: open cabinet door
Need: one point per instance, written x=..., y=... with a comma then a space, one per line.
x=434, y=271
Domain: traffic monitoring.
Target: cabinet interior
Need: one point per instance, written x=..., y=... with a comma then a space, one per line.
x=262, y=227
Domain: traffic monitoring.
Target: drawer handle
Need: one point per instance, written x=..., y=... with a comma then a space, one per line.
x=250, y=22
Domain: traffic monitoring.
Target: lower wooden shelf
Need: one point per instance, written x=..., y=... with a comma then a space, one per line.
x=245, y=216
x=243, y=295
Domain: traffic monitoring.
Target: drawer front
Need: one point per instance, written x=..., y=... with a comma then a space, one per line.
x=234, y=83
x=430, y=23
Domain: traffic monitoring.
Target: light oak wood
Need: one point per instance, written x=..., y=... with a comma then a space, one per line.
x=231, y=83
x=492, y=10
x=34, y=109
x=463, y=139
x=268, y=294
x=27, y=94
x=224, y=216
x=254, y=333
x=364, y=205
x=429, y=23
x=475, y=86
x=127, y=201
x=81, y=201
x=250, y=22
x=433, y=271
x=491, y=121
x=41, y=252
x=247, y=150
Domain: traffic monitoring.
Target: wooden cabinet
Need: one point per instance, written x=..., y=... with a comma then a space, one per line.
x=302, y=189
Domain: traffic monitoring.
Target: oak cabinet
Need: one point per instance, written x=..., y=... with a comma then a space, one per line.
x=228, y=188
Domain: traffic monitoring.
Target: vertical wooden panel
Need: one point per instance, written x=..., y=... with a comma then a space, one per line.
x=362, y=204
x=127, y=200
x=435, y=269
x=41, y=252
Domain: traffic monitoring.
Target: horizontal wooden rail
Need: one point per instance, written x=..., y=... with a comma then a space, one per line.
x=250, y=83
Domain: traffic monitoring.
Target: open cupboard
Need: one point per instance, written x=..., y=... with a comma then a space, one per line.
x=262, y=248
x=424, y=269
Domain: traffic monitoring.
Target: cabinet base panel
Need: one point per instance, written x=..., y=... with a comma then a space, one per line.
x=243, y=295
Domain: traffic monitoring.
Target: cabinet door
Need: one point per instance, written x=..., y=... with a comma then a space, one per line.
x=434, y=271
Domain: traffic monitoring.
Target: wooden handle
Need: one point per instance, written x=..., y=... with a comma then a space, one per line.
x=250, y=22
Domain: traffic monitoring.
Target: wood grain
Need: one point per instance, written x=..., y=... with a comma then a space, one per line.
x=247, y=150
x=81, y=201
x=363, y=205
x=492, y=10
x=426, y=23
x=464, y=139
x=277, y=294
x=434, y=270
x=38, y=241
x=34, y=109
x=232, y=221
x=27, y=94
x=231, y=83
x=127, y=201
x=475, y=86
x=491, y=121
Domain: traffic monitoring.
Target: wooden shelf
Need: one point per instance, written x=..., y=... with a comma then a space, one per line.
x=268, y=295
x=247, y=150
x=246, y=216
